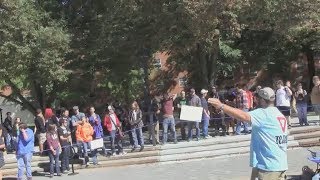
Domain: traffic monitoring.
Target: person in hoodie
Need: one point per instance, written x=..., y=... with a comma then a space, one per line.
x=25, y=151
x=136, y=124
x=84, y=135
x=95, y=121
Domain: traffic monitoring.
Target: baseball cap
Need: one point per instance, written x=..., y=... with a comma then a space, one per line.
x=75, y=108
x=203, y=91
x=267, y=94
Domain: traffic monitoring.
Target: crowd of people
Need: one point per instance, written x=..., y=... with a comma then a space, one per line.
x=56, y=131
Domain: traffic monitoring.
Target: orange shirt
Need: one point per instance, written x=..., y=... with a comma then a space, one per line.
x=84, y=132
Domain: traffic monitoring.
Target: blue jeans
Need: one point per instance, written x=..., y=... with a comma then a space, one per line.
x=115, y=139
x=166, y=123
x=205, y=125
x=54, y=160
x=302, y=113
x=137, y=137
x=316, y=108
x=65, y=158
x=24, y=162
x=9, y=142
x=190, y=133
x=245, y=125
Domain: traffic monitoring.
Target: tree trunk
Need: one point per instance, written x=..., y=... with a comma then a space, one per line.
x=311, y=67
x=214, y=62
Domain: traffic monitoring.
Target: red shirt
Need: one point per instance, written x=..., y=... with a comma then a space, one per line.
x=167, y=107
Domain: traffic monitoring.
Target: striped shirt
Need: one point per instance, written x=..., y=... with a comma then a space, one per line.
x=242, y=100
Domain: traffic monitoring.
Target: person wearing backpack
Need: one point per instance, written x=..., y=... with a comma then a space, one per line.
x=112, y=124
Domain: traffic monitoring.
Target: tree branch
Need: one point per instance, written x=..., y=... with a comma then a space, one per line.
x=12, y=99
x=24, y=101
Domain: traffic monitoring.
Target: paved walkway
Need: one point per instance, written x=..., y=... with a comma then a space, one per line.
x=233, y=168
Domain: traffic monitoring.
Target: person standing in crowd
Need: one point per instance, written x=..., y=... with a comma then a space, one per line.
x=2, y=149
x=25, y=150
x=40, y=128
x=155, y=125
x=283, y=98
x=66, y=142
x=242, y=104
x=54, y=148
x=65, y=117
x=76, y=118
x=256, y=97
x=168, y=118
x=112, y=124
x=301, y=100
x=250, y=98
x=217, y=116
x=268, y=154
x=194, y=101
x=95, y=121
x=136, y=124
x=50, y=117
x=205, y=114
x=15, y=132
x=84, y=136
x=293, y=102
x=8, y=138
x=315, y=95
x=181, y=101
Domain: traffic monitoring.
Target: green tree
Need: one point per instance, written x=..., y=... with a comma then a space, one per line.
x=32, y=51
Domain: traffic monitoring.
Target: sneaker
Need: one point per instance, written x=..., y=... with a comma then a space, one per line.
x=122, y=153
x=51, y=176
x=197, y=139
x=133, y=149
x=114, y=154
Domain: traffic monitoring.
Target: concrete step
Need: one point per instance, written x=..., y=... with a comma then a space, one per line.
x=310, y=135
x=309, y=142
x=303, y=130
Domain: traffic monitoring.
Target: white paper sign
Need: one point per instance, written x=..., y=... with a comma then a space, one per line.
x=97, y=143
x=191, y=113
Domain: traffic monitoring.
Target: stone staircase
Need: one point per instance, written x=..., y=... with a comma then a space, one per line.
x=206, y=148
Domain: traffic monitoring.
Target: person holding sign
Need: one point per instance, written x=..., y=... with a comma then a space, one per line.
x=269, y=137
x=95, y=121
x=194, y=101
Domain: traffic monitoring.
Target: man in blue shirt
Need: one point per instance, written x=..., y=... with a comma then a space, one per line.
x=268, y=150
x=25, y=150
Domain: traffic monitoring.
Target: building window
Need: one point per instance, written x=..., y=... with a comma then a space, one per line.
x=157, y=63
x=183, y=82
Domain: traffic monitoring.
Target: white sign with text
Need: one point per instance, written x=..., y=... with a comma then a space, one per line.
x=191, y=113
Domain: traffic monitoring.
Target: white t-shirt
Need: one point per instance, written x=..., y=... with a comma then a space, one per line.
x=282, y=97
x=114, y=121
